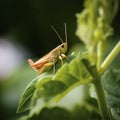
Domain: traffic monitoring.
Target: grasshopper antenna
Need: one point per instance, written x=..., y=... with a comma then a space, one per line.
x=57, y=34
x=65, y=32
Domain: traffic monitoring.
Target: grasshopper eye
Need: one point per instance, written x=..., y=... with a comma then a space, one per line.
x=62, y=46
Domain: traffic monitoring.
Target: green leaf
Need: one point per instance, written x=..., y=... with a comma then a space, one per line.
x=29, y=95
x=47, y=89
x=25, y=101
x=78, y=112
x=53, y=89
x=77, y=69
x=111, y=82
x=50, y=89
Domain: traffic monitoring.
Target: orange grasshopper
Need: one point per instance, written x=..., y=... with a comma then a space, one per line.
x=52, y=57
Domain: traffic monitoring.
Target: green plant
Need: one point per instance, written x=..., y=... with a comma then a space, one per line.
x=94, y=29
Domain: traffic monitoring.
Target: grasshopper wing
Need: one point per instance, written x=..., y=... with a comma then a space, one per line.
x=45, y=59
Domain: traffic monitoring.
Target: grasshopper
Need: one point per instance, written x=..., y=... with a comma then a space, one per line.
x=52, y=57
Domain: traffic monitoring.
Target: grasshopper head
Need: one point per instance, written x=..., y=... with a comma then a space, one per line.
x=63, y=47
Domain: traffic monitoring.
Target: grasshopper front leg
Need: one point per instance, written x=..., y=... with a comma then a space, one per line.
x=61, y=58
x=64, y=56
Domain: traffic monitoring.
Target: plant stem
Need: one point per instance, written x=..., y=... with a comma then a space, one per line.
x=110, y=58
x=98, y=85
x=99, y=54
x=101, y=100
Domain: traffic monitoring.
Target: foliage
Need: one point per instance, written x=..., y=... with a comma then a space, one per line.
x=44, y=92
x=58, y=113
x=112, y=78
x=94, y=25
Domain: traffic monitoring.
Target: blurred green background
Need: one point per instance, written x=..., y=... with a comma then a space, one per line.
x=25, y=32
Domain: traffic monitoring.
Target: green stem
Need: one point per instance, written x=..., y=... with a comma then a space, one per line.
x=99, y=54
x=98, y=86
x=110, y=58
x=101, y=100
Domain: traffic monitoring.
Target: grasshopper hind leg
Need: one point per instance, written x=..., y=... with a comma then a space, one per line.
x=30, y=61
x=45, y=67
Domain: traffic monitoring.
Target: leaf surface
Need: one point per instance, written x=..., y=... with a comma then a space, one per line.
x=111, y=82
